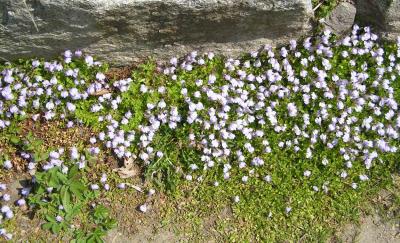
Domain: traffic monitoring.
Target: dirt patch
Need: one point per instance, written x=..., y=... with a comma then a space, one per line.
x=372, y=229
x=147, y=235
x=55, y=134
x=381, y=224
x=134, y=225
x=24, y=226
x=118, y=73
x=17, y=162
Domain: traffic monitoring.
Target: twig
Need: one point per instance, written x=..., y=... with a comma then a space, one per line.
x=319, y=5
x=30, y=15
x=2, y=58
x=134, y=187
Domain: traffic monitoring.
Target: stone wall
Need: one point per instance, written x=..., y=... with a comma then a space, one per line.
x=382, y=15
x=121, y=31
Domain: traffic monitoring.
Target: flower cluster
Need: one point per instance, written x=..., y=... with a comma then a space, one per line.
x=330, y=106
x=292, y=101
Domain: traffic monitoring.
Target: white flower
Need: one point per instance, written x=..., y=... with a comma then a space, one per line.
x=143, y=208
x=5, y=209
x=159, y=154
x=71, y=107
x=8, y=236
x=103, y=178
x=143, y=88
x=9, y=214
x=50, y=105
x=211, y=79
x=151, y=192
x=6, y=197
x=3, y=187
x=94, y=187
x=59, y=218
x=267, y=178
x=173, y=61
x=35, y=63
x=309, y=153
x=74, y=153
x=7, y=164
x=89, y=60
x=67, y=54
x=78, y=53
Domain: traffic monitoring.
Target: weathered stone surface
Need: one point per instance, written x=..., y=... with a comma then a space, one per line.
x=341, y=18
x=121, y=31
x=382, y=15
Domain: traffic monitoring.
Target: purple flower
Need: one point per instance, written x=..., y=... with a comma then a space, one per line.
x=100, y=76
x=59, y=218
x=21, y=202
x=35, y=63
x=89, y=60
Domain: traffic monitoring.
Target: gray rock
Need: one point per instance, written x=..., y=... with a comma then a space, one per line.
x=121, y=31
x=382, y=15
x=341, y=19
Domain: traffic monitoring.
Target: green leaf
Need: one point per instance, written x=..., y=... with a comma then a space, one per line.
x=94, y=238
x=47, y=226
x=39, y=156
x=55, y=228
x=73, y=171
x=80, y=236
x=50, y=219
x=15, y=140
x=77, y=188
x=110, y=224
x=100, y=212
x=62, y=177
x=53, y=179
x=75, y=210
x=65, y=198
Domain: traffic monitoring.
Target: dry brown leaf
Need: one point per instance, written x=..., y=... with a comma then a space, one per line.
x=128, y=163
x=124, y=173
x=128, y=170
x=101, y=92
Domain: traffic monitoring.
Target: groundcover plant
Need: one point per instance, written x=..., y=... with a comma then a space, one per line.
x=294, y=137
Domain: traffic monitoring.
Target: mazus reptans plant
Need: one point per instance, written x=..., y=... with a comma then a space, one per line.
x=319, y=116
